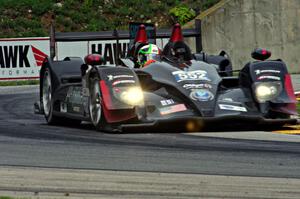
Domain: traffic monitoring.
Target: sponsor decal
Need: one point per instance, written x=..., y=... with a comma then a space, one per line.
x=190, y=75
x=112, y=77
x=76, y=108
x=167, y=102
x=201, y=95
x=227, y=99
x=123, y=82
x=268, y=77
x=195, y=86
x=257, y=72
x=172, y=109
x=232, y=108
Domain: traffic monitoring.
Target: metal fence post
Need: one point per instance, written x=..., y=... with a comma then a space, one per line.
x=52, y=38
x=199, y=46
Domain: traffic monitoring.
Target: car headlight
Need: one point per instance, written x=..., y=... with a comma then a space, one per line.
x=266, y=91
x=132, y=96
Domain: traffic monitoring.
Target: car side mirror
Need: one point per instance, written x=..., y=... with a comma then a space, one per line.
x=261, y=54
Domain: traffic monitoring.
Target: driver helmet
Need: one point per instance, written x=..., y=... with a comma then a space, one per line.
x=148, y=54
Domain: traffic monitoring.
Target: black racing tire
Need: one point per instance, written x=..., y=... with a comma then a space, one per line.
x=46, y=98
x=95, y=104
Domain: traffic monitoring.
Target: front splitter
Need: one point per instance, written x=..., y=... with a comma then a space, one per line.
x=196, y=124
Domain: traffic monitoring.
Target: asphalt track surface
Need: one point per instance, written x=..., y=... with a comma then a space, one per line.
x=26, y=140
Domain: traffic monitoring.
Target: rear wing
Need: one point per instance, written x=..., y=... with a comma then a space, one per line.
x=117, y=35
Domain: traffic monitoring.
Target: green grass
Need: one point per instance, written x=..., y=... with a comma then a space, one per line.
x=19, y=83
x=298, y=107
x=25, y=18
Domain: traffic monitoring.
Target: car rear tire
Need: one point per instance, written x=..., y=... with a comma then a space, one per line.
x=46, y=98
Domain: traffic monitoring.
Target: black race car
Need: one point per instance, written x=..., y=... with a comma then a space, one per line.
x=180, y=91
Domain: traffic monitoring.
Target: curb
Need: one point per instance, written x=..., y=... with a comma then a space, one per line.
x=288, y=132
x=297, y=94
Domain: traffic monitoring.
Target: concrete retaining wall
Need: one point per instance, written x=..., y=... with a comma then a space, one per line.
x=242, y=25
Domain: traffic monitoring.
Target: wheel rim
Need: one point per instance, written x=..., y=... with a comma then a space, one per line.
x=95, y=103
x=47, y=90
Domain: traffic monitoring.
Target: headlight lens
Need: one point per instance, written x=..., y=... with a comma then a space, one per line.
x=266, y=91
x=132, y=96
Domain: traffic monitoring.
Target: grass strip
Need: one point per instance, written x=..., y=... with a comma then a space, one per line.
x=8, y=197
x=19, y=83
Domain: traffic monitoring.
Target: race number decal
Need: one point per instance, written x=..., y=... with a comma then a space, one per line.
x=190, y=75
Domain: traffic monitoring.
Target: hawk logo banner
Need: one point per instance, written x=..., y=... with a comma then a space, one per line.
x=22, y=58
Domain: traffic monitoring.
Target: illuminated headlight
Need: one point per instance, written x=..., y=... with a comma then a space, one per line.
x=266, y=91
x=132, y=96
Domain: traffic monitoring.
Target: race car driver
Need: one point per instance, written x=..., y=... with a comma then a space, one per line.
x=147, y=55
